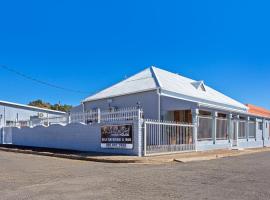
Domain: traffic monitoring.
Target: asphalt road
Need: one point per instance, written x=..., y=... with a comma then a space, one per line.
x=36, y=177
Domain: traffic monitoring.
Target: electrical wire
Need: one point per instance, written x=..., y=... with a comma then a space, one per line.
x=40, y=81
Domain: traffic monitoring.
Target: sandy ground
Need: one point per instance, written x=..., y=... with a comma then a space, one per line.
x=24, y=176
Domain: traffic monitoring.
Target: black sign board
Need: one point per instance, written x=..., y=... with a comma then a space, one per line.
x=117, y=136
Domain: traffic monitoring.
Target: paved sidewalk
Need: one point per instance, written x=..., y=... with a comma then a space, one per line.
x=110, y=158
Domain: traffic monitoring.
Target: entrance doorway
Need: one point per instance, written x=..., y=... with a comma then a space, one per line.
x=184, y=116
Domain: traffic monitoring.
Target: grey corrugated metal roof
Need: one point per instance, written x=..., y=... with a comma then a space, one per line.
x=7, y=103
x=154, y=78
x=143, y=81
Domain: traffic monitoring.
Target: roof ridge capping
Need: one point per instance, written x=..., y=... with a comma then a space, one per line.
x=154, y=74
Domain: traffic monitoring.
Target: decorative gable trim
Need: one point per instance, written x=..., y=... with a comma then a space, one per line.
x=199, y=85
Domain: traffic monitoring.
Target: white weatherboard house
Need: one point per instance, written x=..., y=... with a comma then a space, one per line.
x=222, y=121
x=14, y=114
x=152, y=112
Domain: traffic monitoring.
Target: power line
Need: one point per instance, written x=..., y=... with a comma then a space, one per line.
x=40, y=81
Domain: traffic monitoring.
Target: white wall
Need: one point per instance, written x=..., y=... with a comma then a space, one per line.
x=73, y=136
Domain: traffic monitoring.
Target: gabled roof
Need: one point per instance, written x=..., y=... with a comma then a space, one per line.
x=171, y=84
x=143, y=81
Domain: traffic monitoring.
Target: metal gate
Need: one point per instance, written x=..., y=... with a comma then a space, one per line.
x=167, y=137
x=6, y=135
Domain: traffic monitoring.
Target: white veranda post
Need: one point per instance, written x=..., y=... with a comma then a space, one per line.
x=195, y=113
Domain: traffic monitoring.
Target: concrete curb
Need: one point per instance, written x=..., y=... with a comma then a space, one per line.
x=71, y=156
x=219, y=156
x=138, y=160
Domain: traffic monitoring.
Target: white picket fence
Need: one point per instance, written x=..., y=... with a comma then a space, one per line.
x=161, y=137
x=90, y=117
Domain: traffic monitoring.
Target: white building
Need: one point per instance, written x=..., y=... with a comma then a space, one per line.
x=163, y=95
x=172, y=114
x=12, y=114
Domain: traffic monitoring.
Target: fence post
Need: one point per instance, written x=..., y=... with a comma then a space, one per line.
x=98, y=116
x=214, y=127
x=237, y=129
x=230, y=128
x=264, y=131
x=140, y=133
x=195, y=113
x=145, y=138
x=68, y=119
x=247, y=127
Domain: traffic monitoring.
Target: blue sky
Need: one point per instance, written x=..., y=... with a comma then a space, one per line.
x=89, y=45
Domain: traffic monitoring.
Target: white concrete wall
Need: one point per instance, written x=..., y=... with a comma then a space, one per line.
x=209, y=145
x=251, y=143
x=73, y=136
x=148, y=102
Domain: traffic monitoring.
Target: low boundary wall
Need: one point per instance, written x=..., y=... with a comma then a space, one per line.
x=74, y=136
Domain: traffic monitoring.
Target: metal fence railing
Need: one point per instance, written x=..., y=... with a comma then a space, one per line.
x=87, y=117
x=222, y=129
x=125, y=114
x=97, y=116
x=252, y=129
x=49, y=121
x=242, y=129
x=166, y=137
x=205, y=128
